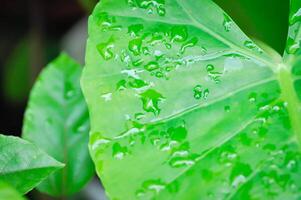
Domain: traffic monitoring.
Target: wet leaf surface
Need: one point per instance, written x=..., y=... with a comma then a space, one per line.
x=183, y=105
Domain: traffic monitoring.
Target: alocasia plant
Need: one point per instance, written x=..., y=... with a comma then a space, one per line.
x=185, y=106
x=57, y=121
x=23, y=165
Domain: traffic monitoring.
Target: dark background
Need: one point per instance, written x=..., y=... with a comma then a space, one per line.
x=33, y=32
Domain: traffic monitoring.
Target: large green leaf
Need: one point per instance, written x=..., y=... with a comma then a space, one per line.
x=23, y=165
x=57, y=120
x=184, y=106
x=7, y=192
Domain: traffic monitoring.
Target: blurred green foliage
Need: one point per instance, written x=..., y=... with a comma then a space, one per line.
x=266, y=20
x=16, y=80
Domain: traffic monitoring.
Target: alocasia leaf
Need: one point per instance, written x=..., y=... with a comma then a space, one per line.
x=23, y=165
x=57, y=121
x=8, y=192
x=184, y=106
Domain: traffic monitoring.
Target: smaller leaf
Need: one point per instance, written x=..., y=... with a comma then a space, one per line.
x=57, y=120
x=23, y=165
x=8, y=192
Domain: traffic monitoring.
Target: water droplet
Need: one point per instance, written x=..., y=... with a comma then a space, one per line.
x=293, y=45
x=151, y=66
x=121, y=85
x=295, y=17
x=198, y=92
x=227, y=108
x=105, y=49
x=159, y=74
x=227, y=23
x=191, y=43
x=119, y=151
x=213, y=75
x=251, y=45
x=135, y=46
x=154, y=185
x=136, y=83
x=179, y=34
x=150, y=100
x=134, y=30
x=107, y=96
x=238, y=181
x=252, y=97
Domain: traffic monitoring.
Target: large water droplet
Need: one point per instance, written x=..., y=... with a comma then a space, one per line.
x=119, y=151
x=190, y=43
x=135, y=29
x=179, y=34
x=150, y=100
x=105, y=49
x=135, y=46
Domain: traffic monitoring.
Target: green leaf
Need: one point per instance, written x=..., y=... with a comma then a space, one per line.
x=183, y=105
x=7, y=192
x=16, y=76
x=23, y=165
x=57, y=121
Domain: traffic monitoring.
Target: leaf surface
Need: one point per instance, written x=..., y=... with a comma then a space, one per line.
x=23, y=165
x=183, y=105
x=7, y=192
x=57, y=121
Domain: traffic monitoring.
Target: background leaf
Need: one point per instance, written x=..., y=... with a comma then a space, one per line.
x=185, y=106
x=7, y=192
x=57, y=120
x=24, y=165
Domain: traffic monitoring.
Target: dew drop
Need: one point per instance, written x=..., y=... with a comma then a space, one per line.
x=295, y=17
x=251, y=45
x=135, y=46
x=105, y=49
x=227, y=23
x=151, y=66
x=119, y=151
x=107, y=96
x=191, y=43
x=227, y=108
x=134, y=30
x=179, y=34
x=150, y=100
x=198, y=92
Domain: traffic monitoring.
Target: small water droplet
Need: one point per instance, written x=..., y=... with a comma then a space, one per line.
x=251, y=45
x=179, y=34
x=107, y=96
x=227, y=23
x=295, y=17
x=151, y=66
x=252, y=97
x=227, y=108
x=119, y=151
x=105, y=49
x=238, y=181
x=150, y=100
x=191, y=43
x=135, y=29
x=135, y=46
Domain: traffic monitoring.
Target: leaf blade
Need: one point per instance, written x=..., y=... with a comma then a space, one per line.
x=178, y=100
x=20, y=160
x=57, y=120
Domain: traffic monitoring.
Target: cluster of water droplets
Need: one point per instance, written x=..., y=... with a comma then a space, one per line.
x=150, y=6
